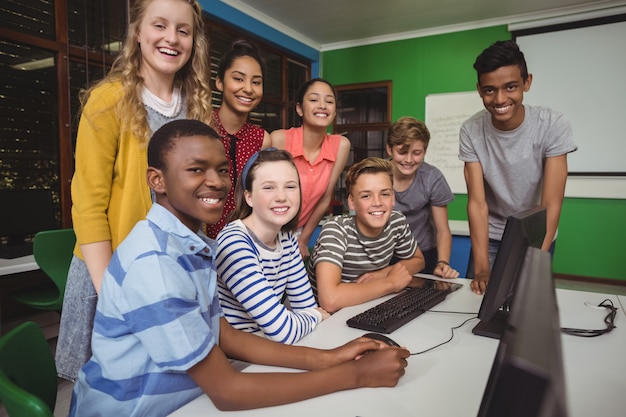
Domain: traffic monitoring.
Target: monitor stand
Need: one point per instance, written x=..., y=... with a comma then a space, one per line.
x=492, y=328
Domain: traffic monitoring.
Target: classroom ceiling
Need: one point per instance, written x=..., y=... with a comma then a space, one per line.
x=326, y=22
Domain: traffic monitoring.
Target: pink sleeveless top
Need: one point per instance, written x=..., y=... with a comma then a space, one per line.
x=314, y=176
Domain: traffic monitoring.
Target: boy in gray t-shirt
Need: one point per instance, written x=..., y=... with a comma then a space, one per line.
x=422, y=194
x=515, y=156
x=351, y=260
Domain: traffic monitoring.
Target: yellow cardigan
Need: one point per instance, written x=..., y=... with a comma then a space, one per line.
x=109, y=189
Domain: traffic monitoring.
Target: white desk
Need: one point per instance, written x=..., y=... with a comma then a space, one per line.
x=622, y=303
x=16, y=265
x=595, y=368
x=449, y=381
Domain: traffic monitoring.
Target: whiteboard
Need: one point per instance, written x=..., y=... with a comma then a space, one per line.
x=445, y=113
x=581, y=73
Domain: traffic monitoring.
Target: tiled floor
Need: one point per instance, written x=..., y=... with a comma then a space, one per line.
x=65, y=387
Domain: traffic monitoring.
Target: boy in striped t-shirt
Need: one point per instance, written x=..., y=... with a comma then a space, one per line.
x=352, y=259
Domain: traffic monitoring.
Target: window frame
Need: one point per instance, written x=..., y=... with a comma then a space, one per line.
x=345, y=129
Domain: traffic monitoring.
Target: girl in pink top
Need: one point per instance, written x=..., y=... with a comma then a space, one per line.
x=319, y=156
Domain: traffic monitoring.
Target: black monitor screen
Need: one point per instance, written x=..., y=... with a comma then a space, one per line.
x=24, y=213
x=527, y=377
x=524, y=229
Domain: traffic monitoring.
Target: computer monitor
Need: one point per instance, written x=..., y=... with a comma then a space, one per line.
x=527, y=377
x=523, y=229
x=23, y=213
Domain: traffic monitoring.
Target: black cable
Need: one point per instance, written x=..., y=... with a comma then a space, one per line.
x=609, y=320
x=452, y=329
x=451, y=312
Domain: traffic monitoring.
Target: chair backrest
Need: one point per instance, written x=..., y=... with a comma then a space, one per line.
x=28, y=381
x=53, y=251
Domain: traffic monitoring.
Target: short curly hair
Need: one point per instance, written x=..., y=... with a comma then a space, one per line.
x=164, y=139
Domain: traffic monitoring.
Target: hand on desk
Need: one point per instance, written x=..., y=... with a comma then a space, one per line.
x=479, y=284
x=381, y=366
x=445, y=271
x=355, y=349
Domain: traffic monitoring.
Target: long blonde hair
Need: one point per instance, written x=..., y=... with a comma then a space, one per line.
x=191, y=78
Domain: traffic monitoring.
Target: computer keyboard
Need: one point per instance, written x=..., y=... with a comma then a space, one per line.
x=401, y=309
x=16, y=251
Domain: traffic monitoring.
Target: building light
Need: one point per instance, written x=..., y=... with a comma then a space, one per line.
x=34, y=65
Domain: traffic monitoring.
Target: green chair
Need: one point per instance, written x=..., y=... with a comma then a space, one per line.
x=53, y=250
x=28, y=381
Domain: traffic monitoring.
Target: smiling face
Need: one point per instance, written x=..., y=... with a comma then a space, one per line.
x=165, y=37
x=406, y=159
x=502, y=92
x=242, y=86
x=275, y=196
x=195, y=181
x=372, y=199
x=318, y=107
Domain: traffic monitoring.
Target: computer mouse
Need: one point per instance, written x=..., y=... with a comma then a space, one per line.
x=381, y=337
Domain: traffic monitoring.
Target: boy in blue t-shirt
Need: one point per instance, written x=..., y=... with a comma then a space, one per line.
x=160, y=338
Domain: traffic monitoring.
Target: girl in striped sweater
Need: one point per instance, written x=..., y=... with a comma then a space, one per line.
x=263, y=285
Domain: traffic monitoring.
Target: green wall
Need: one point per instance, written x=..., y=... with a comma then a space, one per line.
x=592, y=232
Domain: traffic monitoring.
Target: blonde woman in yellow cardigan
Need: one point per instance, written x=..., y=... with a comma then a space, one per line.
x=159, y=76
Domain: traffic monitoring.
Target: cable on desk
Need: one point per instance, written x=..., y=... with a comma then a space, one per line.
x=452, y=312
x=609, y=320
x=452, y=329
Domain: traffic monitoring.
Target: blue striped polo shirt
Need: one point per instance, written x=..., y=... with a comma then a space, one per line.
x=157, y=316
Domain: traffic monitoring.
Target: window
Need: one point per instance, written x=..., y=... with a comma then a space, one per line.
x=29, y=140
x=50, y=50
x=364, y=117
x=47, y=50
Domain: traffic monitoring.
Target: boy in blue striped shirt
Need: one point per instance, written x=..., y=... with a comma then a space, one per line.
x=160, y=338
